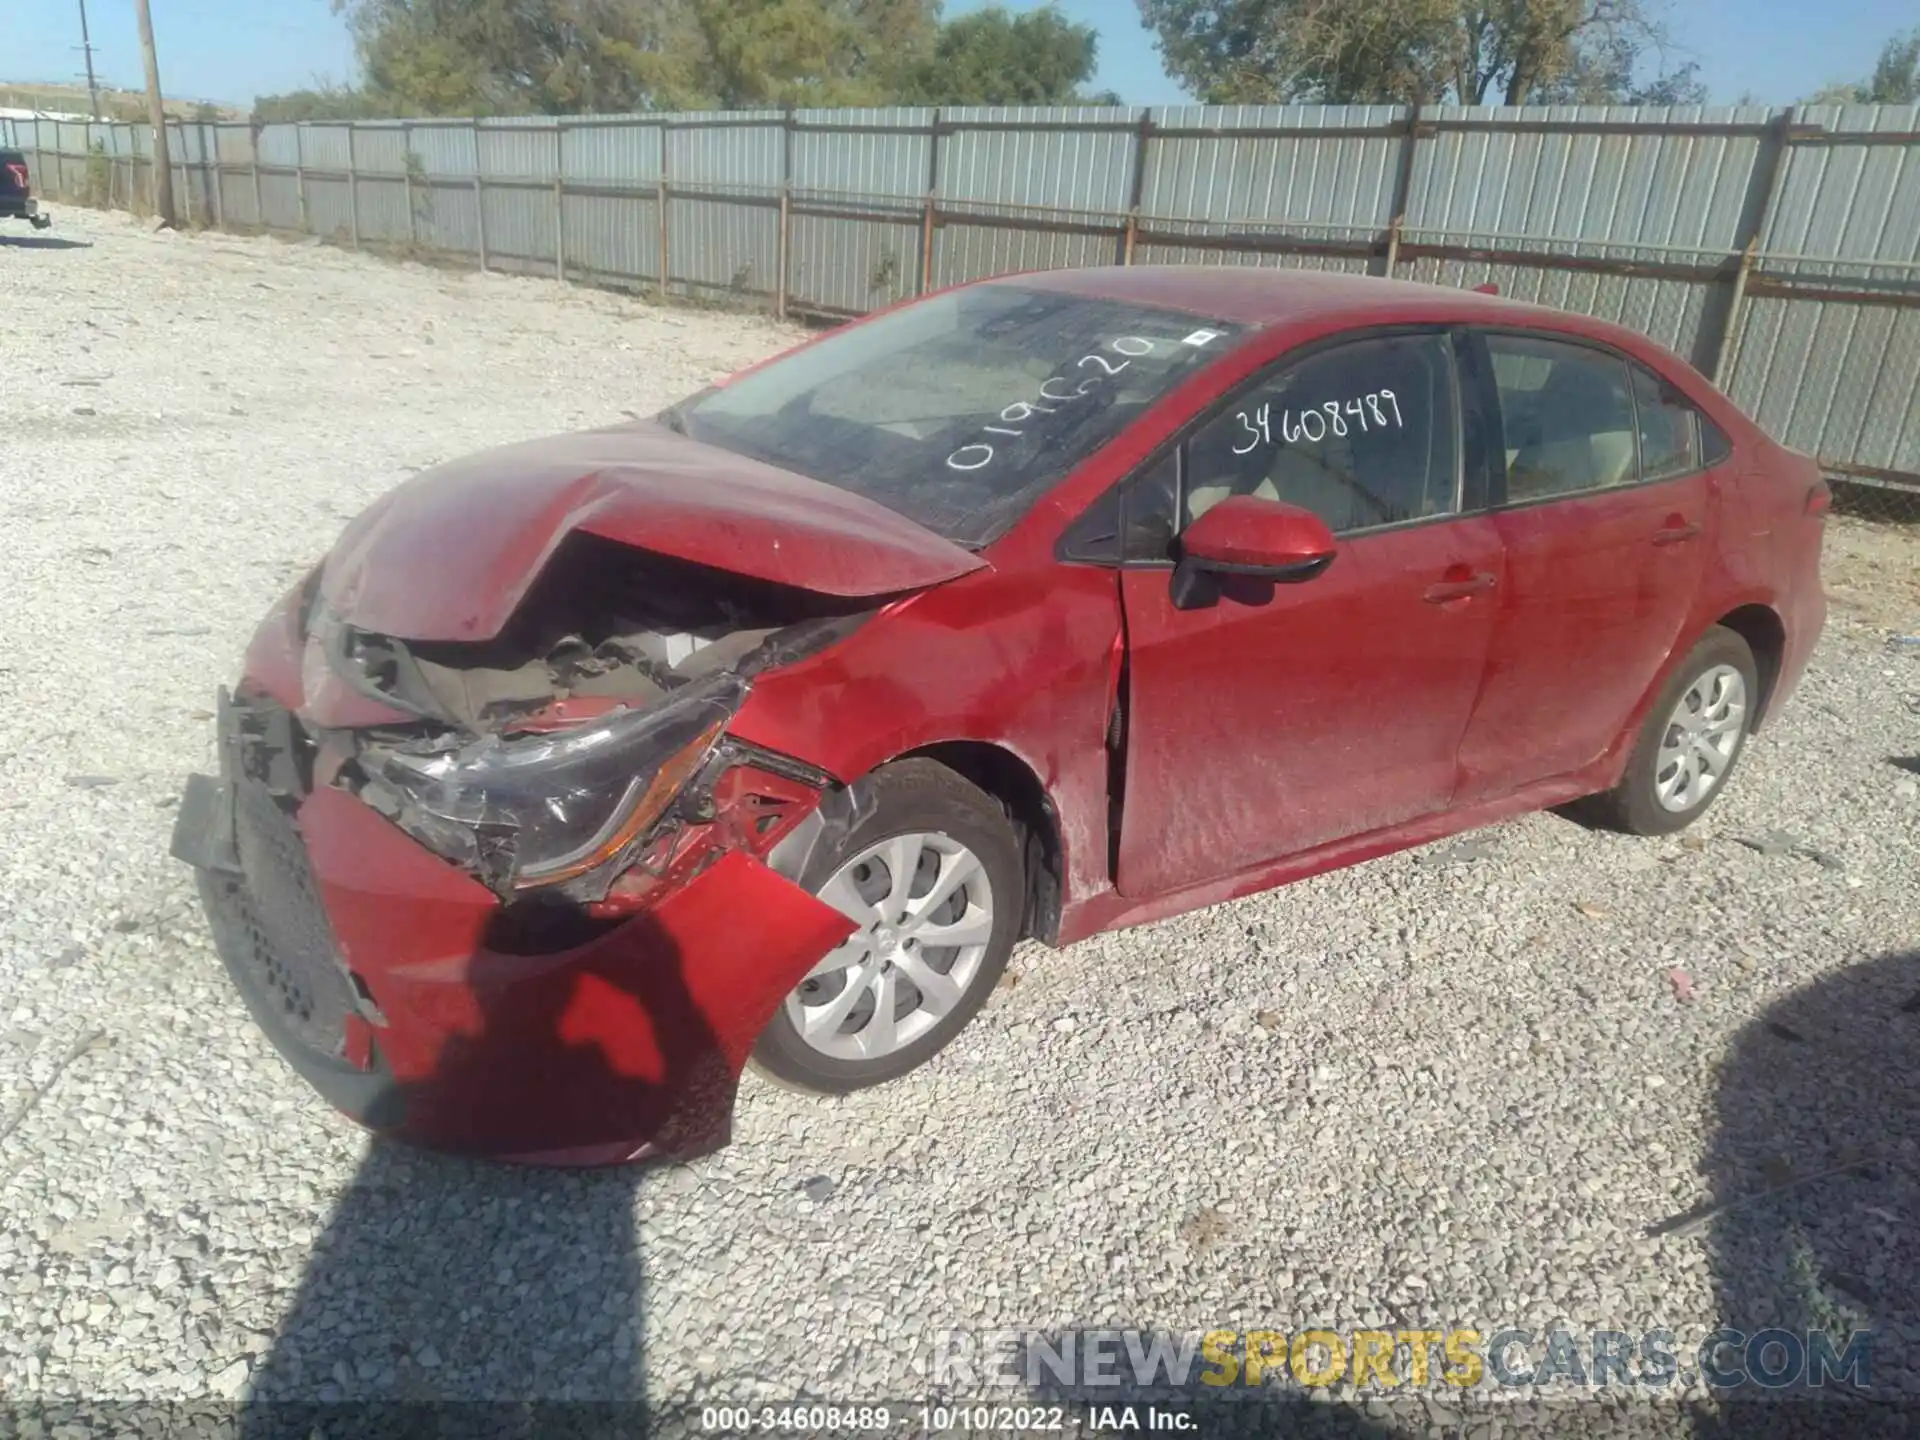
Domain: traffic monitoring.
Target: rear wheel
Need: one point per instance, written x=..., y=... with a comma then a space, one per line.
x=1691, y=741
x=932, y=878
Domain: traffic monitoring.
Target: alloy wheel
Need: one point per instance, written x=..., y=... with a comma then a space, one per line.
x=1703, y=733
x=924, y=908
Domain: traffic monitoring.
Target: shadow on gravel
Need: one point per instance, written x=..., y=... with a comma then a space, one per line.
x=464, y=1297
x=1814, y=1222
x=42, y=242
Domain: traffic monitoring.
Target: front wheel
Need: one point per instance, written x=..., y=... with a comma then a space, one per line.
x=932, y=878
x=1691, y=740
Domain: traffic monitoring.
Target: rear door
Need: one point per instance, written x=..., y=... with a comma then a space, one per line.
x=1603, y=512
x=1283, y=717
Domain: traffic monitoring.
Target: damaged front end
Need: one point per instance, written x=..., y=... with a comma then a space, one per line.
x=552, y=760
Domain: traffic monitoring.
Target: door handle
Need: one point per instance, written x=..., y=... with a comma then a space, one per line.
x=1476, y=584
x=1676, y=530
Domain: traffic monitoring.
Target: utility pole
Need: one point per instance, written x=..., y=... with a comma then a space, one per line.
x=157, y=112
x=86, y=44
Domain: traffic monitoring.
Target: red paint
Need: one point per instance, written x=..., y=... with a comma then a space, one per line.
x=1436, y=676
x=636, y=1037
x=451, y=553
x=1310, y=712
x=1247, y=533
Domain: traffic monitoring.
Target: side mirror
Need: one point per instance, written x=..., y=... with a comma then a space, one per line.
x=1247, y=538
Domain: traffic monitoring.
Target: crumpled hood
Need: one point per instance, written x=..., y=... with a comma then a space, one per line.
x=450, y=554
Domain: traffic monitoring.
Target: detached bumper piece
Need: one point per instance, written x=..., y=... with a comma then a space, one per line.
x=413, y=1000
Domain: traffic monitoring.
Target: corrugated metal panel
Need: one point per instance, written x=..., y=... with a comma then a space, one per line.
x=524, y=152
x=1835, y=380
x=612, y=155
x=613, y=238
x=884, y=164
x=1849, y=202
x=329, y=209
x=1301, y=178
x=1668, y=311
x=736, y=154
x=1059, y=169
x=380, y=150
x=279, y=145
x=853, y=265
x=974, y=252
x=522, y=224
x=719, y=245
x=1684, y=191
x=383, y=210
x=326, y=146
x=445, y=151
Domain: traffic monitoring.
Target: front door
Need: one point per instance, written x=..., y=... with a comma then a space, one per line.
x=1282, y=717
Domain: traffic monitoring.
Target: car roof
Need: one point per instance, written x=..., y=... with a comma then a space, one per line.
x=1269, y=295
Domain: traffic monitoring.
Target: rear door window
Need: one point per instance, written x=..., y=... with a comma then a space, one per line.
x=1568, y=416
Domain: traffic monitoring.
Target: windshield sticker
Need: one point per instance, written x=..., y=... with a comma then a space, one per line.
x=1201, y=337
x=1381, y=408
x=1054, y=392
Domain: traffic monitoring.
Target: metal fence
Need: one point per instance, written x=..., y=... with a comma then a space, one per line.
x=1779, y=250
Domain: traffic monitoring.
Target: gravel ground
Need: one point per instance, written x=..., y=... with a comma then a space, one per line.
x=1449, y=1087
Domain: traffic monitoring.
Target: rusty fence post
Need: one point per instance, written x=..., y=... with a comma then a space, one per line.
x=1137, y=189
x=1769, y=165
x=560, y=201
x=784, y=246
x=930, y=208
x=479, y=197
x=660, y=193
x=300, y=172
x=1403, y=188
x=353, y=183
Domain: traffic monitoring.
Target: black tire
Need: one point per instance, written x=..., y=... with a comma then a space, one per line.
x=909, y=796
x=1633, y=805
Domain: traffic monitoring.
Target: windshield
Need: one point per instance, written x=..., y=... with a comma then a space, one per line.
x=960, y=412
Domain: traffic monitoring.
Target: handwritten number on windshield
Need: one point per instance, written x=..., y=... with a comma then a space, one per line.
x=980, y=454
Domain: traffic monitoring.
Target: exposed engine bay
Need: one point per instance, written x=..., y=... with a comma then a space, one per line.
x=549, y=760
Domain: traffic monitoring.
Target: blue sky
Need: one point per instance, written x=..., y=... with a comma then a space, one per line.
x=232, y=50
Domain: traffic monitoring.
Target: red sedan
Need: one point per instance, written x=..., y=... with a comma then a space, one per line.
x=583, y=772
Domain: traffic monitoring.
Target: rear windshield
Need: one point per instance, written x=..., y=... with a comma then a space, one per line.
x=961, y=411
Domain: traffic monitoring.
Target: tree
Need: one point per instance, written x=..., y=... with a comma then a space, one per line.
x=1367, y=51
x=1895, y=79
x=993, y=58
x=516, y=57
x=323, y=102
x=810, y=52
x=556, y=57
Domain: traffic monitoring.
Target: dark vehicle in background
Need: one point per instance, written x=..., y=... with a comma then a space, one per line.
x=16, y=192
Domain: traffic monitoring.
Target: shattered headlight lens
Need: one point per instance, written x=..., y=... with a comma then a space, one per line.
x=543, y=809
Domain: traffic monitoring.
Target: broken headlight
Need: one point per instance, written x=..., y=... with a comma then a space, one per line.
x=542, y=809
